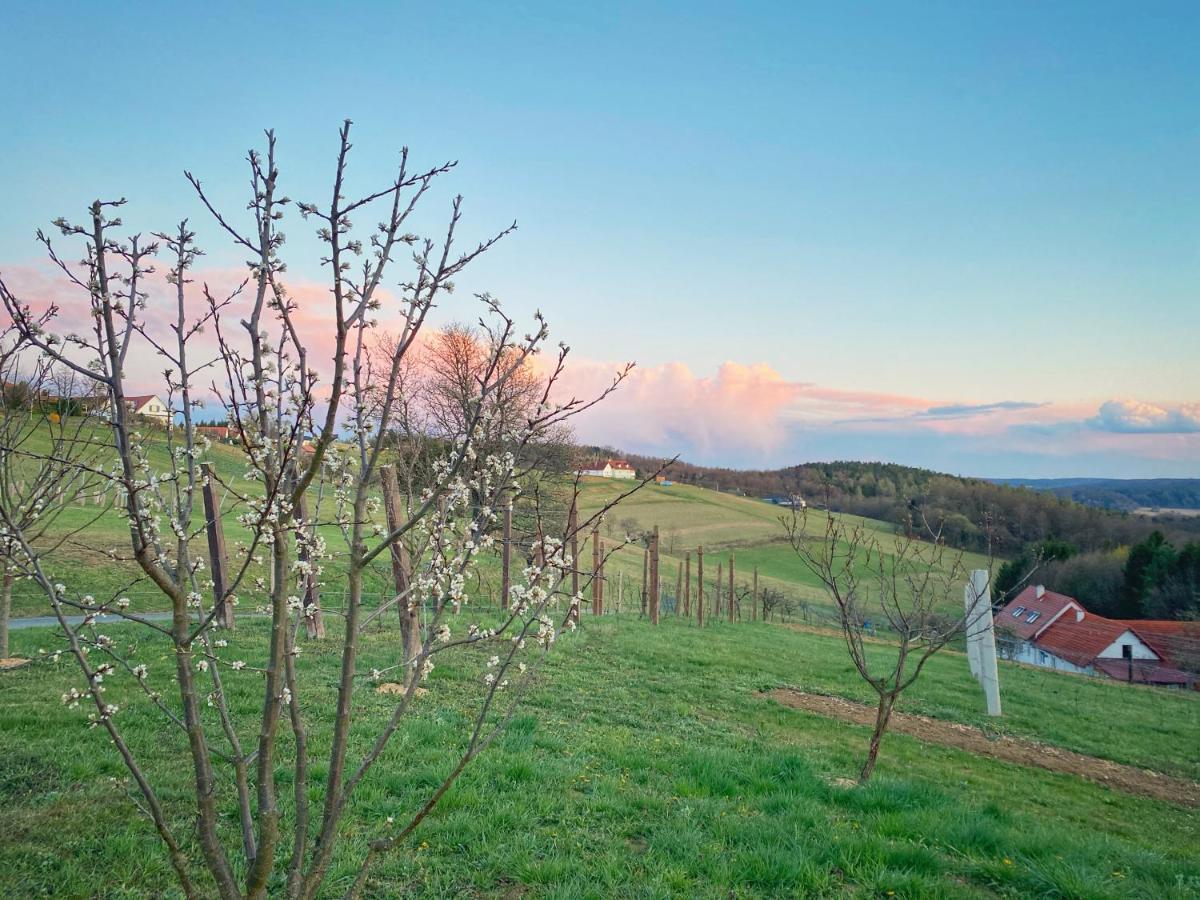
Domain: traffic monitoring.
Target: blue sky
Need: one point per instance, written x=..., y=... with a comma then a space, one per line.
x=932, y=204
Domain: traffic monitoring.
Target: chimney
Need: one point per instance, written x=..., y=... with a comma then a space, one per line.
x=1040, y=591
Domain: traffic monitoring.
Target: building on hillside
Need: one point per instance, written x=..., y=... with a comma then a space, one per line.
x=610, y=468
x=145, y=406
x=222, y=433
x=1052, y=630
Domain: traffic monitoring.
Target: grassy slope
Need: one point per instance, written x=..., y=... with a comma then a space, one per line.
x=645, y=764
x=689, y=516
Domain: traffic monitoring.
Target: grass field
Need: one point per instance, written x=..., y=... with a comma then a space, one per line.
x=687, y=517
x=645, y=764
x=750, y=529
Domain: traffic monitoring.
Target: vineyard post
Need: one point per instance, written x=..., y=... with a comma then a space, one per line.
x=314, y=622
x=410, y=621
x=216, y=545
x=732, y=595
x=654, y=580
x=687, y=584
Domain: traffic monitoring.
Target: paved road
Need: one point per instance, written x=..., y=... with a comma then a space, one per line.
x=52, y=621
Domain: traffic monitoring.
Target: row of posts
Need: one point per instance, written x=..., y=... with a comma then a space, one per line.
x=650, y=594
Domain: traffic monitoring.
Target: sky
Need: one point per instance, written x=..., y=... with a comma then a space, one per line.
x=959, y=236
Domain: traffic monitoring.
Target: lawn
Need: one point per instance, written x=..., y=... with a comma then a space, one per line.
x=645, y=764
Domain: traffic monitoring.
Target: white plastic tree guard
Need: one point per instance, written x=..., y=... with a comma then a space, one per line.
x=981, y=638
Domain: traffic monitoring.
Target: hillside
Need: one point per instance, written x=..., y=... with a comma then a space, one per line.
x=649, y=763
x=725, y=525
x=1017, y=516
x=1127, y=494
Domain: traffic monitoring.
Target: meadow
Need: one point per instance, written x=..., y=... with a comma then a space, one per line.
x=647, y=763
x=687, y=517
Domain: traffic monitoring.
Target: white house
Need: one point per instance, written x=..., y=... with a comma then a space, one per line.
x=1053, y=630
x=610, y=468
x=147, y=406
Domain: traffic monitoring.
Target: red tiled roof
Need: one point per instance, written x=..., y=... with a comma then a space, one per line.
x=617, y=464
x=141, y=400
x=1169, y=638
x=1080, y=642
x=1049, y=605
x=1143, y=672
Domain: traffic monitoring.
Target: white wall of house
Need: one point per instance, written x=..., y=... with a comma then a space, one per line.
x=1140, y=650
x=622, y=473
x=1028, y=652
x=606, y=472
x=154, y=409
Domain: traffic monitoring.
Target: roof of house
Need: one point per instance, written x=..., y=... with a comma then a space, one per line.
x=1081, y=641
x=1169, y=638
x=617, y=464
x=140, y=400
x=1015, y=615
x=1143, y=672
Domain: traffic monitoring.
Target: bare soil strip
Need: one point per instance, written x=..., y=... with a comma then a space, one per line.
x=1128, y=779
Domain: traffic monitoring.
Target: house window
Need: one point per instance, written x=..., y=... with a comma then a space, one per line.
x=1033, y=617
x=1042, y=657
x=1016, y=614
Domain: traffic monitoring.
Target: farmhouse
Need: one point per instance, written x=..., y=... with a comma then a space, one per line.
x=146, y=406
x=610, y=468
x=1048, y=629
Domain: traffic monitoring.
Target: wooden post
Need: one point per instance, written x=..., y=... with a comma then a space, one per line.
x=654, y=583
x=620, y=590
x=314, y=623
x=754, y=604
x=687, y=584
x=216, y=546
x=645, y=577
x=409, y=610
x=596, y=569
x=717, y=591
x=679, y=589
x=732, y=593
x=699, y=585
x=572, y=529
x=506, y=557
x=600, y=579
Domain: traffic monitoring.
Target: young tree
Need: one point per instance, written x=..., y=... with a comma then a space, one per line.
x=911, y=587
x=308, y=430
x=47, y=463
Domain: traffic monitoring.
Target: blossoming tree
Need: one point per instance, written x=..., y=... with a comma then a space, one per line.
x=312, y=434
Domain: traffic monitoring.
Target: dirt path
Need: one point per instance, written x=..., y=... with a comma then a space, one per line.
x=1128, y=779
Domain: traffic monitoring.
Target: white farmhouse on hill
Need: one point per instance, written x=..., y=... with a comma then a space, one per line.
x=610, y=468
x=146, y=406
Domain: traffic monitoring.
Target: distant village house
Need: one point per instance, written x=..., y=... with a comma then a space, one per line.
x=1054, y=631
x=610, y=468
x=148, y=406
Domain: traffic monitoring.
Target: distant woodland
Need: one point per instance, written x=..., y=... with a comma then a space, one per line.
x=1117, y=563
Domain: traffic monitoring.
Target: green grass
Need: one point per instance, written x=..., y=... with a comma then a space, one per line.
x=750, y=529
x=687, y=517
x=645, y=764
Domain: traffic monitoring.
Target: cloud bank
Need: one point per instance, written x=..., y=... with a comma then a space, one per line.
x=749, y=415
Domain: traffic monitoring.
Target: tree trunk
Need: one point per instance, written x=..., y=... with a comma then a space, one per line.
x=5, y=611
x=408, y=609
x=883, y=715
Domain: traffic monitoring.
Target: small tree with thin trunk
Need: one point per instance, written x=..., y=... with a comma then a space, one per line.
x=905, y=592
x=48, y=461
